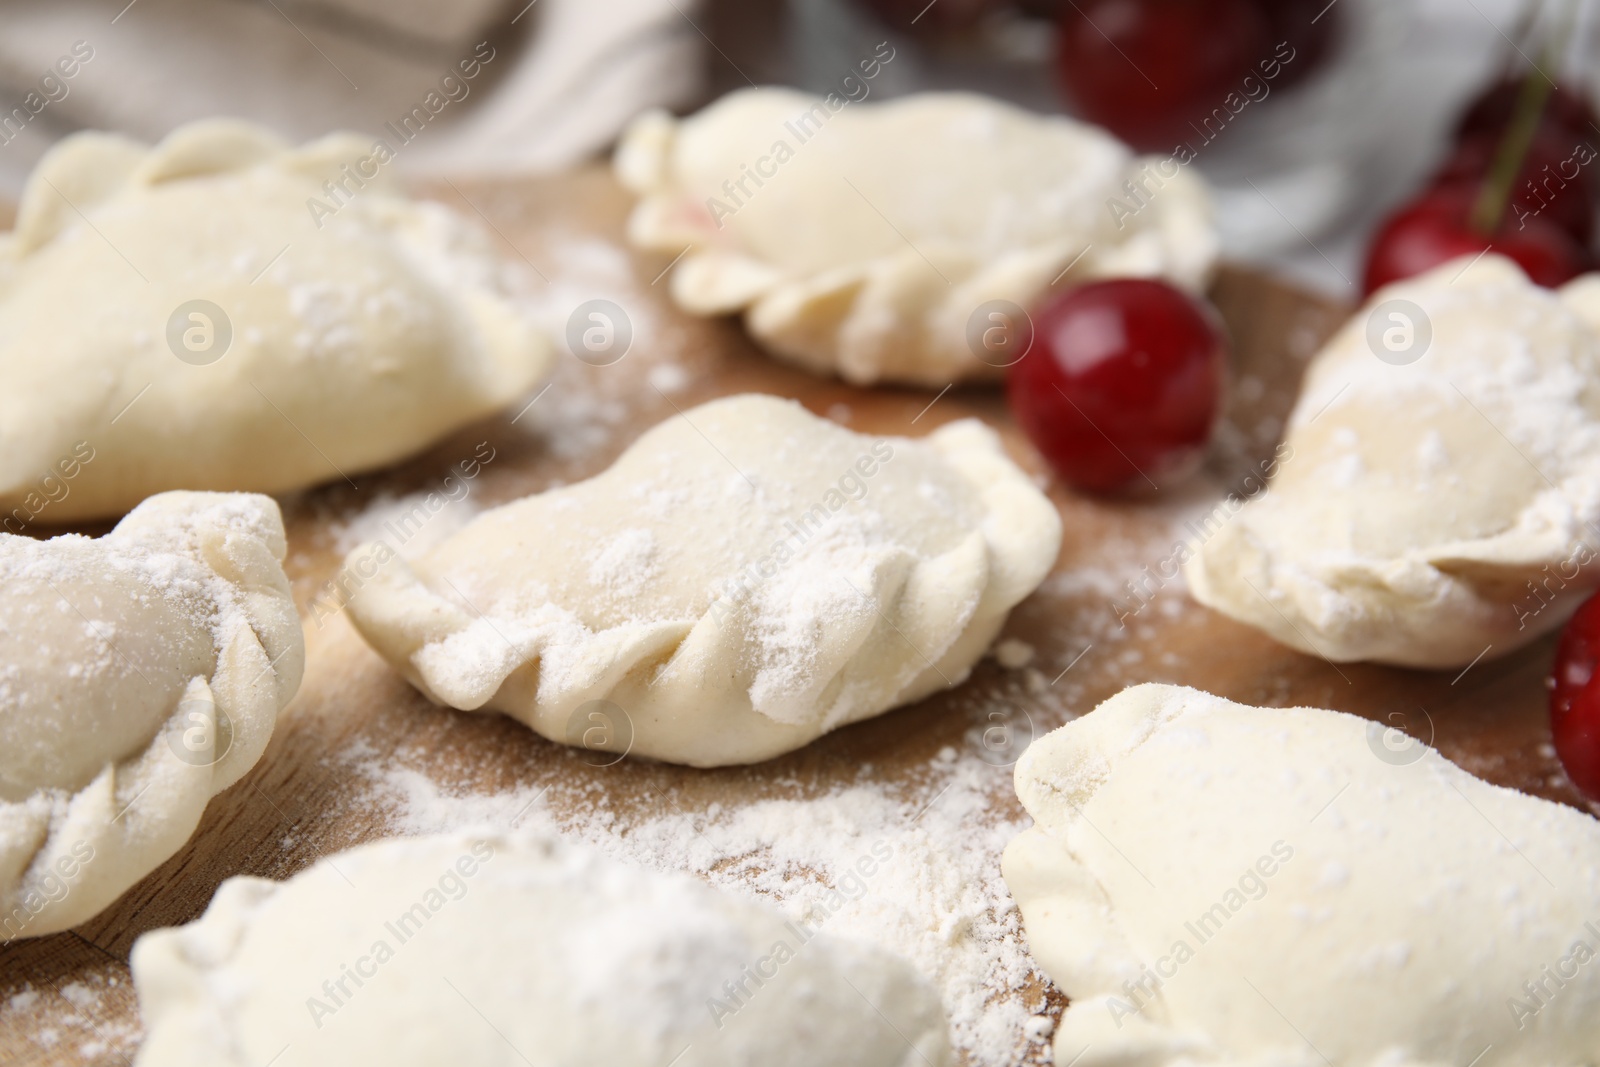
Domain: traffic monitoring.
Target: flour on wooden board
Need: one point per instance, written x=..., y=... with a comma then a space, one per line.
x=586, y=408
x=938, y=900
x=77, y=1017
x=410, y=524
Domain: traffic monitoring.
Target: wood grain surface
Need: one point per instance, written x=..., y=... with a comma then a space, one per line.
x=67, y=998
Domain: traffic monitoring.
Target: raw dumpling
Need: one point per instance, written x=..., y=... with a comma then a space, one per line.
x=862, y=239
x=490, y=951
x=140, y=674
x=224, y=312
x=743, y=579
x=1437, y=495
x=1211, y=883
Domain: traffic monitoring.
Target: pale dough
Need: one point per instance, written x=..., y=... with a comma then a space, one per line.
x=142, y=674
x=744, y=578
x=1429, y=513
x=859, y=239
x=496, y=950
x=1212, y=883
x=356, y=337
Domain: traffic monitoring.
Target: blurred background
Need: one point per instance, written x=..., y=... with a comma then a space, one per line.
x=1320, y=150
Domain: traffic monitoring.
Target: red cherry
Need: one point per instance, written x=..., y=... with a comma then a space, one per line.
x=1434, y=229
x=1123, y=383
x=1566, y=111
x=1577, y=654
x=1554, y=180
x=1148, y=69
x=1575, y=699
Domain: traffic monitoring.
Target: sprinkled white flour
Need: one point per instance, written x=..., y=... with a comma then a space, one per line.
x=668, y=378
x=938, y=900
x=1013, y=654
x=661, y=972
x=1533, y=392
x=815, y=590
x=588, y=408
x=162, y=563
x=625, y=562
x=410, y=524
x=591, y=269
x=89, y=1018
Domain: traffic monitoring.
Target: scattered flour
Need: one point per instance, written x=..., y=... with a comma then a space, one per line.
x=591, y=268
x=91, y=1016
x=668, y=378
x=624, y=563
x=1013, y=654
x=660, y=973
x=410, y=524
x=586, y=409
x=937, y=901
x=584, y=422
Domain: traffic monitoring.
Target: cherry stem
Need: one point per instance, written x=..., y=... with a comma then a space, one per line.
x=1495, y=195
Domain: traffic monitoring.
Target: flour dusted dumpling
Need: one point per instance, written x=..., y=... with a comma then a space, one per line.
x=1215, y=884
x=224, y=312
x=861, y=239
x=1429, y=509
x=494, y=950
x=743, y=579
x=140, y=673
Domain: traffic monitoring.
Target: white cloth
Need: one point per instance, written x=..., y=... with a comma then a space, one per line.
x=553, y=81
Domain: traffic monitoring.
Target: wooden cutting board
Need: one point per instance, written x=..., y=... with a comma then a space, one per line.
x=67, y=998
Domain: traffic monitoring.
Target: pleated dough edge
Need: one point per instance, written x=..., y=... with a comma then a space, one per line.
x=400, y=615
x=140, y=811
x=901, y=317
